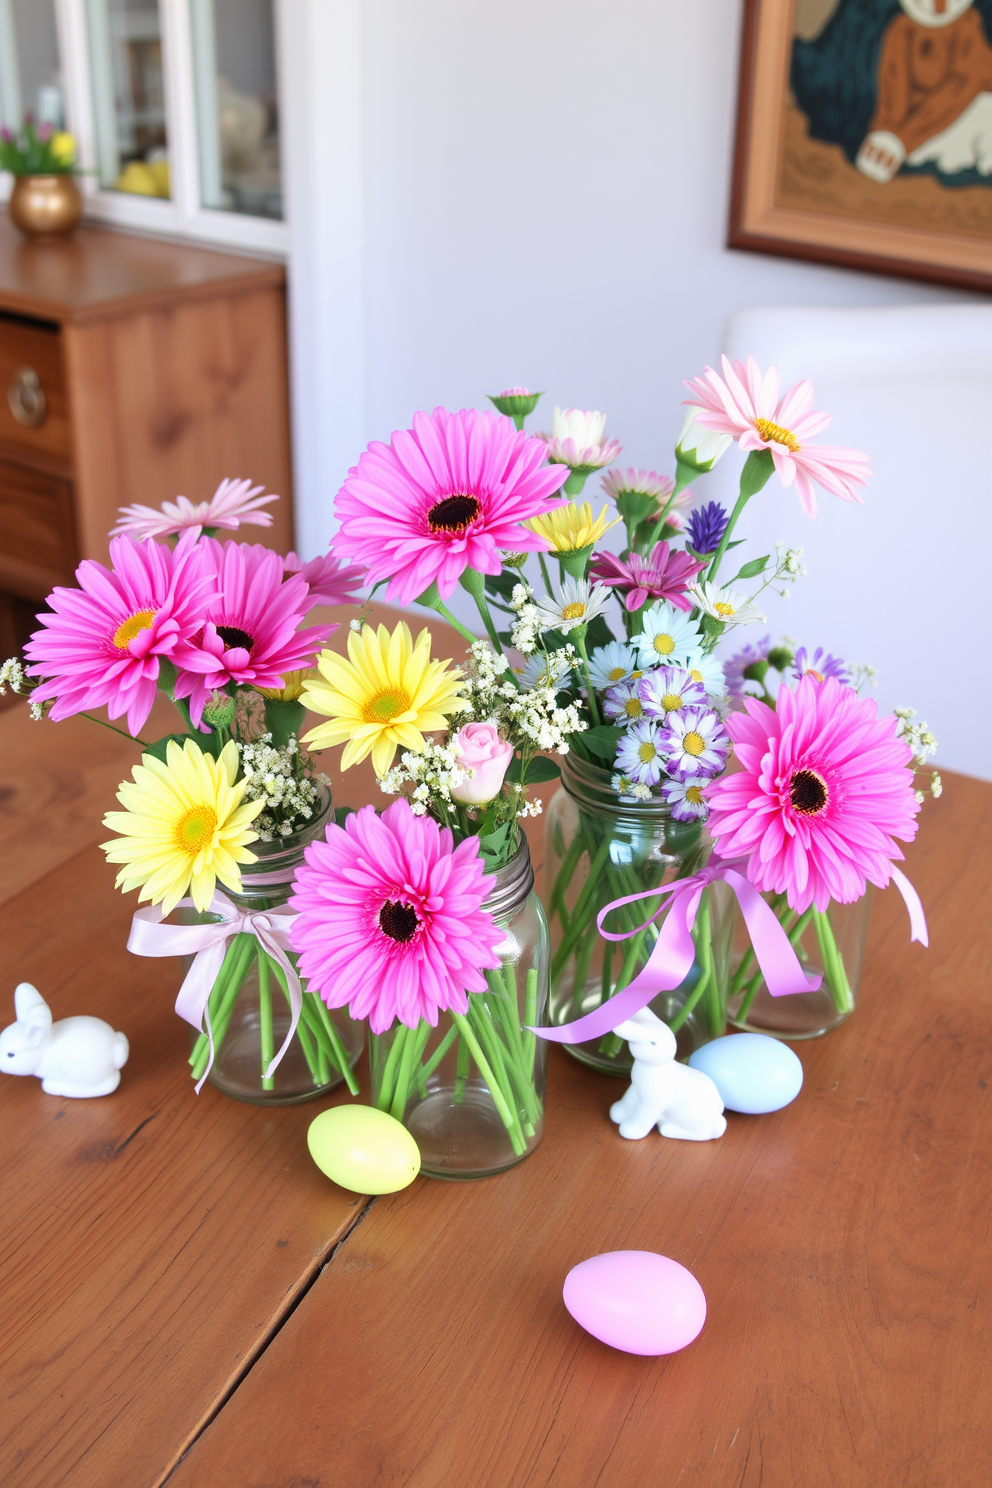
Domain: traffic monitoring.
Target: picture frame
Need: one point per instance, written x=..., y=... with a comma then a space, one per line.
x=864, y=136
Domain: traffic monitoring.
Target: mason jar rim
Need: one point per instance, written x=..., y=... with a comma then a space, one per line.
x=591, y=785
x=512, y=882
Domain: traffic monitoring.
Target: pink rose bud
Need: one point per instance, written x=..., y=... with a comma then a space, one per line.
x=479, y=748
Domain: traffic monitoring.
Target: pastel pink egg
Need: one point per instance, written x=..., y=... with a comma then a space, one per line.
x=636, y=1301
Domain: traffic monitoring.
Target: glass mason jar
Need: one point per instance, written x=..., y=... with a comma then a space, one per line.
x=831, y=944
x=249, y=1006
x=471, y=1090
x=600, y=846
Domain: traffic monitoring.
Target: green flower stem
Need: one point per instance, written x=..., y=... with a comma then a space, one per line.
x=512, y=1083
x=530, y=1017
x=449, y=1038
x=757, y=471
x=309, y=1049
x=799, y=928
x=334, y=1039
x=499, y=1100
x=463, y=1064
x=690, y=1002
x=265, y=1017
x=480, y=1019
x=388, y=1080
x=402, y=1092
x=580, y=642
x=215, y=999
x=544, y=573
x=579, y=911
x=519, y=1066
x=237, y=971
x=716, y=1014
x=833, y=963
x=750, y=992
x=583, y=956
x=453, y=621
x=572, y=854
x=123, y=732
x=308, y=1018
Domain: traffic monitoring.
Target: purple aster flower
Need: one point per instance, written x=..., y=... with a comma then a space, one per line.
x=696, y=744
x=639, y=753
x=668, y=689
x=661, y=575
x=623, y=703
x=818, y=666
x=735, y=666
x=706, y=527
x=686, y=799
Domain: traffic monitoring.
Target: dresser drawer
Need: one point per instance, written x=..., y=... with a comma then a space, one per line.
x=37, y=538
x=34, y=409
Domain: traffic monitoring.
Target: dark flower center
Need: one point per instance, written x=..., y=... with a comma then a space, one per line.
x=809, y=792
x=453, y=514
x=398, y=921
x=232, y=637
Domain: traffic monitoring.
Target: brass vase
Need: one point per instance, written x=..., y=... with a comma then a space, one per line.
x=45, y=206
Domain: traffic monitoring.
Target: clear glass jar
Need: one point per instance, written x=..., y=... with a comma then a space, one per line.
x=832, y=945
x=471, y=1091
x=249, y=1006
x=600, y=846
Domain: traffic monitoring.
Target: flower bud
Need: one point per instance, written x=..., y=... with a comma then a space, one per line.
x=700, y=448
x=478, y=748
x=219, y=711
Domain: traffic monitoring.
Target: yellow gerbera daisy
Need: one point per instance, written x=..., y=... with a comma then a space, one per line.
x=388, y=694
x=185, y=826
x=294, y=684
x=571, y=527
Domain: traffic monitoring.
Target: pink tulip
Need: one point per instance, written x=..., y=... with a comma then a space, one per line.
x=478, y=748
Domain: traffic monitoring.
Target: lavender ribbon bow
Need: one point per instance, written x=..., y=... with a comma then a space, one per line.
x=208, y=945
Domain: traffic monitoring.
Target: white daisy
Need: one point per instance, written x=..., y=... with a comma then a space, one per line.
x=574, y=603
x=725, y=604
x=639, y=755
x=667, y=635
x=546, y=671
x=612, y=664
x=703, y=667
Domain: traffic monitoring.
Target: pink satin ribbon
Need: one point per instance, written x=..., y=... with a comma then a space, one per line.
x=674, y=951
x=208, y=945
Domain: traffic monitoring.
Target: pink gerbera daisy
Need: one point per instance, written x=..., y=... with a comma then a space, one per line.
x=661, y=575
x=233, y=503
x=444, y=496
x=390, y=923
x=824, y=787
x=330, y=582
x=100, y=645
x=746, y=404
x=250, y=635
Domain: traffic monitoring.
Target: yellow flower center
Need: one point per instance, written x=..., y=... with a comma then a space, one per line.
x=618, y=674
x=693, y=743
x=132, y=626
x=195, y=830
x=696, y=677
x=387, y=705
x=722, y=608
x=812, y=672
x=632, y=708
x=671, y=701
x=664, y=645
x=695, y=795
x=573, y=611
x=777, y=434
x=646, y=752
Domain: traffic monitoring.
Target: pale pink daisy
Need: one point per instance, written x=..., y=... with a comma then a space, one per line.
x=233, y=504
x=442, y=497
x=745, y=404
x=644, y=483
x=824, y=788
x=100, y=646
x=250, y=632
x=577, y=439
x=330, y=582
x=390, y=924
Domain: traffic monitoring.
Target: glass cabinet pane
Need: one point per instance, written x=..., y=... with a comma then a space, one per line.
x=234, y=69
x=30, y=72
x=125, y=42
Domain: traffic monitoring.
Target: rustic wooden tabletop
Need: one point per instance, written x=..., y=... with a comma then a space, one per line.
x=188, y=1300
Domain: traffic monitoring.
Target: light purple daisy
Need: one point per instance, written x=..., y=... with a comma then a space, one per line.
x=819, y=666
x=735, y=666
x=669, y=689
x=623, y=702
x=695, y=743
x=639, y=753
x=686, y=799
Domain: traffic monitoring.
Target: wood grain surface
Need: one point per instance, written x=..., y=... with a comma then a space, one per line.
x=841, y=1243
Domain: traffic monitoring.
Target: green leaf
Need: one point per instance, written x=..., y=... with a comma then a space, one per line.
x=207, y=742
x=341, y=814
x=754, y=568
x=711, y=625
x=493, y=845
x=602, y=741
x=540, y=769
x=503, y=584
x=513, y=773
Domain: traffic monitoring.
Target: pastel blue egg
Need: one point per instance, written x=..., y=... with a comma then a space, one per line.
x=753, y=1074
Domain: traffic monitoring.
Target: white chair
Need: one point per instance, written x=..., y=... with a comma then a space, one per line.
x=904, y=581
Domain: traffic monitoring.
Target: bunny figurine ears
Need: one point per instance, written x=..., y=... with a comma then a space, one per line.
x=79, y=1057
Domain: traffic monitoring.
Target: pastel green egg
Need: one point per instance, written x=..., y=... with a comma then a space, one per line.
x=364, y=1150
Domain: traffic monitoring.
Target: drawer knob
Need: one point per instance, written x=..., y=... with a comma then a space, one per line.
x=27, y=400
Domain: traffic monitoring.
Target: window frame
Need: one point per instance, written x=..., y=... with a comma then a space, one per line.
x=182, y=216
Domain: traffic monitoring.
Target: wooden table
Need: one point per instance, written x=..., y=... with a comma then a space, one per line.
x=188, y=1299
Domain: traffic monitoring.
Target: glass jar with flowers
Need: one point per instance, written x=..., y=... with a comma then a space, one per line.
x=45, y=200
x=217, y=814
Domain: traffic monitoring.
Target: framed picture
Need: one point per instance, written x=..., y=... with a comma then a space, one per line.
x=864, y=136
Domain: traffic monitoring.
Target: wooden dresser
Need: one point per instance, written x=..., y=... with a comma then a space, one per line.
x=130, y=370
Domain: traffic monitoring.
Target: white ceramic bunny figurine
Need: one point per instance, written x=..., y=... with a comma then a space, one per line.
x=78, y=1057
x=682, y=1102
